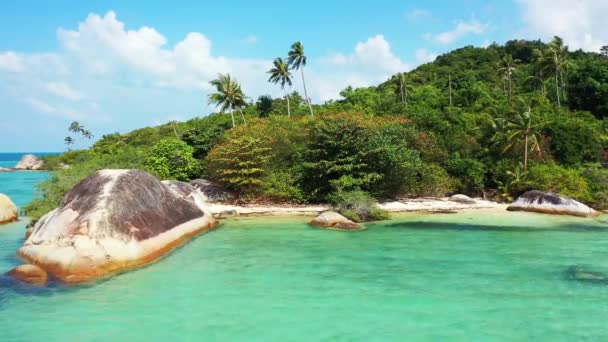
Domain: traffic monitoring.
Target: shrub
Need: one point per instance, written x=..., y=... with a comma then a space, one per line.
x=434, y=181
x=358, y=206
x=470, y=173
x=172, y=159
x=240, y=164
x=597, y=178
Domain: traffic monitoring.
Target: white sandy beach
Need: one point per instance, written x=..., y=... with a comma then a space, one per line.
x=404, y=205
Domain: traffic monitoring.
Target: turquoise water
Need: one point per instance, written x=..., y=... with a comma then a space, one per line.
x=468, y=276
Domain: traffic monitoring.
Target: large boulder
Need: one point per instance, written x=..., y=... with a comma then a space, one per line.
x=8, y=210
x=30, y=274
x=29, y=162
x=464, y=199
x=333, y=220
x=551, y=203
x=112, y=221
x=212, y=192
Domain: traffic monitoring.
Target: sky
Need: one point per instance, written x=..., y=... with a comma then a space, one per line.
x=115, y=66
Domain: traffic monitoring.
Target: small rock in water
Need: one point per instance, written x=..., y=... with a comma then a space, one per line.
x=8, y=210
x=333, y=220
x=29, y=162
x=226, y=214
x=459, y=198
x=30, y=274
x=581, y=274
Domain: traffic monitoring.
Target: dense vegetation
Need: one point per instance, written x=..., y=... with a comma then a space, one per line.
x=492, y=121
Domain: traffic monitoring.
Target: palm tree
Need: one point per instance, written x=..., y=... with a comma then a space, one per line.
x=69, y=141
x=87, y=134
x=296, y=59
x=604, y=50
x=520, y=129
x=229, y=96
x=556, y=65
x=538, y=68
x=280, y=74
x=506, y=66
x=404, y=88
x=75, y=127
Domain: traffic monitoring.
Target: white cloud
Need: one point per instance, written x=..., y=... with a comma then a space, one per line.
x=418, y=13
x=10, y=61
x=581, y=23
x=40, y=105
x=104, y=69
x=63, y=90
x=371, y=62
x=374, y=52
x=424, y=56
x=250, y=39
x=461, y=29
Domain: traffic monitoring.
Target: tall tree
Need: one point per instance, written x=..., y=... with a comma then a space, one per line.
x=556, y=64
x=296, y=59
x=280, y=74
x=604, y=50
x=519, y=130
x=264, y=105
x=69, y=141
x=506, y=66
x=404, y=88
x=229, y=96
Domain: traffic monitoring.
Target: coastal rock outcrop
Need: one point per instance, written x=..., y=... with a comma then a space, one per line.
x=31, y=274
x=333, y=220
x=212, y=192
x=29, y=162
x=8, y=210
x=551, y=203
x=458, y=198
x=112, y=221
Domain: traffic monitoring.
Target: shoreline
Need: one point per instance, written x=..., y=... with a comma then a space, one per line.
x=432, y=205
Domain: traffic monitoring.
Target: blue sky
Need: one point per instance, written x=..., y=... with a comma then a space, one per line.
x=118, y=65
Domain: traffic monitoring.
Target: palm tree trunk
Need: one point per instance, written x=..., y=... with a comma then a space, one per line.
x=232, y=116
x=450, y=85
x=557, y=89
x=306, y=93
x=526, y=153
x=288, y=109
x=242, y=115
x=175, y=131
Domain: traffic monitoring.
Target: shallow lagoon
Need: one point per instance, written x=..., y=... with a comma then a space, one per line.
x=473, y=275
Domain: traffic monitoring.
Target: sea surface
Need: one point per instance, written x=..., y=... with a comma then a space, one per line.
x=471, y=276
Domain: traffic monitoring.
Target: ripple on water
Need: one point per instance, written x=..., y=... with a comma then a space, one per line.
x=459, y=276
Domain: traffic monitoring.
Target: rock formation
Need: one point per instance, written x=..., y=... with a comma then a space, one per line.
x=550, y=203
x=458, y=198
x=30, y=274
x=29, y=162
x=212, y=191
x=112, y=221
x=333, y=220
x=8, y=210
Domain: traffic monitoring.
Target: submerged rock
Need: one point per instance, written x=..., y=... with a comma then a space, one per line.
x=333, y=220
x=31, y=274
x=112, y=221
x=8, y=210
x=459, y=198
x=226, y=214
x=551, y=203
x=213, y=192
x=29, y=162
x=581, y=274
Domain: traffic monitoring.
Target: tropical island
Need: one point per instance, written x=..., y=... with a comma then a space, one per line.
x=490, y=122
